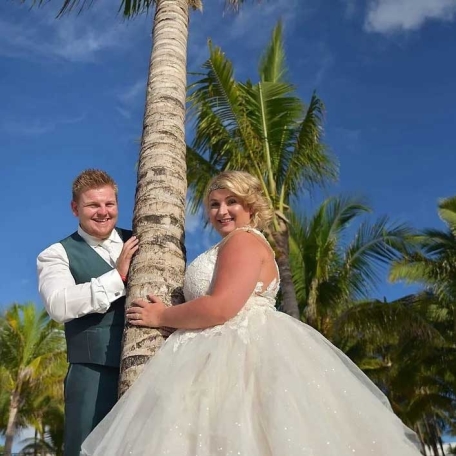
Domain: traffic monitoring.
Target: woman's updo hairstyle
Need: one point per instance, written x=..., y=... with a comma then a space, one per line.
x=248, y=189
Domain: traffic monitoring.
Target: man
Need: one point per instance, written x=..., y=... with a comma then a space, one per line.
x=82, y=283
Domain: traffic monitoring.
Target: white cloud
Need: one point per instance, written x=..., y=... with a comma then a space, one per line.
x=36, y=127
x=389, y=16
x=35, y=34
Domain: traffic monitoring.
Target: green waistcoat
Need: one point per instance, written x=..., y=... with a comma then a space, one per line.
x=94, y=338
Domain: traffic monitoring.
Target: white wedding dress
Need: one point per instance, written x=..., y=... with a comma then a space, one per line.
x=262, y=384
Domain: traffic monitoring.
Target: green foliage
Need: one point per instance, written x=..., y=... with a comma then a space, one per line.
x=422, y=380
x=331, y=272
x=262, y=128
x=406, y=346
x=32, y=365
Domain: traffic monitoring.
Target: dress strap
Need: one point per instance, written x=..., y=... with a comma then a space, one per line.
x=246, y=228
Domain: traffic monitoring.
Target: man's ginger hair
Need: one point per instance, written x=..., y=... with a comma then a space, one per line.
x=91, y=179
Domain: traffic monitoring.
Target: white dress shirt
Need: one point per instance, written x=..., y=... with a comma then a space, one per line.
x=63, y=299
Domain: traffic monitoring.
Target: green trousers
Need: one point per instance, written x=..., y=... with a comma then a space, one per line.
x=90, y=393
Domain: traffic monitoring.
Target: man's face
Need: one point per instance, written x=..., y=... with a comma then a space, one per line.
x=97, y=211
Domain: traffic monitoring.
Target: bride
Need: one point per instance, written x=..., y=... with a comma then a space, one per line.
x=238, y=377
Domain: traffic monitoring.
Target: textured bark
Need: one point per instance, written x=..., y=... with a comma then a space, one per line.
x=421, y=438
x=158, y=267
x=441, y=446
x=311, y=308
x=282, y=250
x=11, y=426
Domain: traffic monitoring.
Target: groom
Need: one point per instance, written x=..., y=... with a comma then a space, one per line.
x=82, y=283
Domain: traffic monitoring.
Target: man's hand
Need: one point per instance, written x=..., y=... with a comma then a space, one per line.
x=146, y=313
x=124, y=260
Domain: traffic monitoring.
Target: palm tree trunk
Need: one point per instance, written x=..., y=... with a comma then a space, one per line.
x=311, y=307
x=158, y=267
x=432, y=437
x=421, y=438
x=11, y=426
x=441, y=446
x=35, y=441
x=282, y=248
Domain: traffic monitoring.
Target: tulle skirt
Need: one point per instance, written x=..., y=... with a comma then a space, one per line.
x=267, y=385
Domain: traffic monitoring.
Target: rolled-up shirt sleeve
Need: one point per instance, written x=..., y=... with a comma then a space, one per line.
x=62, y=298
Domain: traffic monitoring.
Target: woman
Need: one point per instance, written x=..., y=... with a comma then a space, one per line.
x=237, y=377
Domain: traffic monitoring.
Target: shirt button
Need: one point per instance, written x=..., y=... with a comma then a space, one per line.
x=117, y=293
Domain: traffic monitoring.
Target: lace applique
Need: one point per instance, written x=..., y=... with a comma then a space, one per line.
x=253, y=312
x=198, y=281
x=271, y=290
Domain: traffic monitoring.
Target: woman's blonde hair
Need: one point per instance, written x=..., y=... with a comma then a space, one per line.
x=248, y=189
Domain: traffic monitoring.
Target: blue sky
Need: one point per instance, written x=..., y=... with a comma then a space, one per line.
x=72, y=97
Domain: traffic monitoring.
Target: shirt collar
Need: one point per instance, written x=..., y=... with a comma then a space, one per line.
x=93, y=242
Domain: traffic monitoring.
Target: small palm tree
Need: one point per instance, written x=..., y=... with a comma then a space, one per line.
x=31, y=346
x=50, y=439
x=44, y=410
x=397, y=344
x=262, y=128
x=331, y=271
x=434, y=265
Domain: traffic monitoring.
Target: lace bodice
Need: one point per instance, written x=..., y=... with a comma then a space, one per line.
x=200, y=273
x=198, y=282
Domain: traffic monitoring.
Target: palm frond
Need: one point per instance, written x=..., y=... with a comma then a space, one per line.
x=374, y=247
x=308, y=162
x=447, y=212
x=132, y=8
x=378, y=322
x=272, y=66
x=270, y=106
x=217, y=101
x=416, y=268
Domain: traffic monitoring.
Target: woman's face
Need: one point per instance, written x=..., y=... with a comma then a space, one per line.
x=227, y=211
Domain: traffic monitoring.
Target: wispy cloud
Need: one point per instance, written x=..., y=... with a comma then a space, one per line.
x=262, y=17
x=193, y=222
x=36, y=34
x=242, y=33
x=130, y=97
x=316, y=61
x=390, y=16
x=324, y=61
x=36, y=127
x=123, y=112
x=350, y=8
x=131, y=94
x=347, y=138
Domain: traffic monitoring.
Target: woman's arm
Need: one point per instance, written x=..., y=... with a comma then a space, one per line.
x=237, y=272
